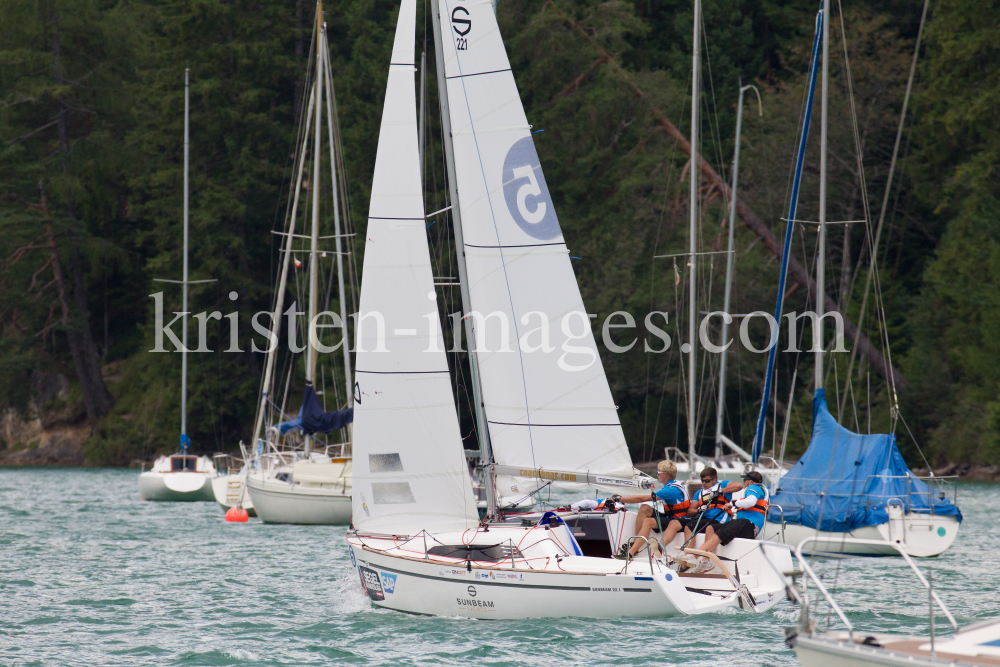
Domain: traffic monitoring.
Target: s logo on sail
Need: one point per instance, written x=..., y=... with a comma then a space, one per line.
x=526, y=194
x=459, y=23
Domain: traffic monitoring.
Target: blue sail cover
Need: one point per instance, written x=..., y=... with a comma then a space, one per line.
x=844, y=480
x=312, y=419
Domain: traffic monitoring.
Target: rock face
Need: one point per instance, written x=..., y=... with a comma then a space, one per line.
x=51, y=431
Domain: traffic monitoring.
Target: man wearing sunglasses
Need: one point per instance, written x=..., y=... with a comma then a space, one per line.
x=710, y=504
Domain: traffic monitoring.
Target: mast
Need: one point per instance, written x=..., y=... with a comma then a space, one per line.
x=485, y=453
x=423, y=105
x=821, y=251
x=185, y=440
x=693, y=233
x=279, y=302
x=730, y=257
x=758, y=440
x=314, y=241
x=324, y=48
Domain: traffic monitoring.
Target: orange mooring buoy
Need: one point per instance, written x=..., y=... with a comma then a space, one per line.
x=237, y=514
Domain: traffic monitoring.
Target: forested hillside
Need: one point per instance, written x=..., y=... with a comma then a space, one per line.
x=91, y=127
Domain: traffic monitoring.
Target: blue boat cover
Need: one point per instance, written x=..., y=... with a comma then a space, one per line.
x=844, y=480
x=312, y=419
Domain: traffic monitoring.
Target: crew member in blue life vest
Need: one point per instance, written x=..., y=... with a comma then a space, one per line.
x=751, y=510
x=676, y=502
x=716, y=497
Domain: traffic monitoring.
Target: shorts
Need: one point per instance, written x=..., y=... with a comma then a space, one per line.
x=742, y=528
x=696, y=527
x=663, y=520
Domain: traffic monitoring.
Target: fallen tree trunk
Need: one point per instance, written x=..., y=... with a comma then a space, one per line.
x=751, y=220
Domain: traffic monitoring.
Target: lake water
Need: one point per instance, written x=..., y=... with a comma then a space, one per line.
x=92, y=575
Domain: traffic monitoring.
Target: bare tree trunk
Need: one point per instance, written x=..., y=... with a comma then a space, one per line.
x=96, y=397
x=796, y=271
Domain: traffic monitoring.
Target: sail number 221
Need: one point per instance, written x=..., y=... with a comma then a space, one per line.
x=462, y=25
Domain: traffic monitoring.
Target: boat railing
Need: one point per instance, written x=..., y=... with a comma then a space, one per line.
x=939, y=488
x=936, y=490
x=811, y=574
x=781, y=509
x=224, y=463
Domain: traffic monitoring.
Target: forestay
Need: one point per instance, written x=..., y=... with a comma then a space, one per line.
x=551, y=407
x=409, y=469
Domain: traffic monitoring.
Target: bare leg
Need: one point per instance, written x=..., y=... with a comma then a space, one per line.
x=645, y=511
x=711, y=541
x=647, y=527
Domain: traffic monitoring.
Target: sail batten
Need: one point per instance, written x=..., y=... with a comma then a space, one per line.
x=547, y=400
x=409, y=469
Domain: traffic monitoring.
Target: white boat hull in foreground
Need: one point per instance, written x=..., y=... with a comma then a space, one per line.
x=543, y=581
x=920, y=535
x=975, y=645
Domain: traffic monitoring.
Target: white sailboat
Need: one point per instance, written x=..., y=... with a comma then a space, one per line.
x=307, y=486
x=181, y=477
x=229, y=484
x=847, y=486
x=418, y=544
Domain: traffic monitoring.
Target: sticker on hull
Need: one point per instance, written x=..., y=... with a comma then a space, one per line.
x=372, y=583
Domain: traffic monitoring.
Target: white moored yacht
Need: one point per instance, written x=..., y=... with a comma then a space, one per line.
x=286, y=487
x=418, y=544
x=848, y=485
x=307, y=480
x=181, y=477
x=229, y=483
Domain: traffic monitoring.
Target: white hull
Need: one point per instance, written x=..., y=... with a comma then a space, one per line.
x=176, y=486
x=920, y=535
x=399, y=575
x=838, y=649
x=278, y=501
x=228, y=491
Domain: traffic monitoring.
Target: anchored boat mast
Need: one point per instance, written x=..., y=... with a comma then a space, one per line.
x=693, y=240
x=821, y=251
x=325, y=52
x=730, y=260
x=314, y=240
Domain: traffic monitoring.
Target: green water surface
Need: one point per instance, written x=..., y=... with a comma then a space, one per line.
x=92, y=575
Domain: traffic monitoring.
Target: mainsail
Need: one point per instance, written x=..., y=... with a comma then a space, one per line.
x=552, y=408
x=409, y=468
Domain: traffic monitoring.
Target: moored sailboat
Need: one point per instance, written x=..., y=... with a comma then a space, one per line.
x=308, y=481
x=181, y=477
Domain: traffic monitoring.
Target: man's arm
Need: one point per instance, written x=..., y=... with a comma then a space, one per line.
x=636, y=499
x=732, y=487
x=749, y=500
